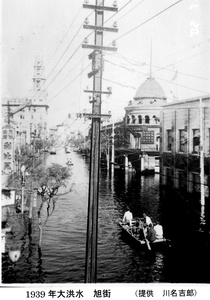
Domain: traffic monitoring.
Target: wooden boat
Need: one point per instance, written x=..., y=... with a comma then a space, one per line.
x=69, y=163
x=67, y=150
x=140, y=238
x=52, y=151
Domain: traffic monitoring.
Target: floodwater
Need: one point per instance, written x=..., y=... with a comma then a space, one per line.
x=61, y=258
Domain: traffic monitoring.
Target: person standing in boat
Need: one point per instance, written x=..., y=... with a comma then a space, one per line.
x=159, y=231
x=147, y=220
x=151, y=233
x=128, y=217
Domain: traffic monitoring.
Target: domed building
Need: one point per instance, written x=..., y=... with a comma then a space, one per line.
x=142, y=125
x=143, y=116
x=137, y=138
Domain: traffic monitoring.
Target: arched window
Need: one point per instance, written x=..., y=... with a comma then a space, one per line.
x=140, y=119
x=128, y=120
x=133, y=119
x=146, y=119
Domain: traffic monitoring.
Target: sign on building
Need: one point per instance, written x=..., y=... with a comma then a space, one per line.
x=7, y=149
x=147, y=137
x=7, y=197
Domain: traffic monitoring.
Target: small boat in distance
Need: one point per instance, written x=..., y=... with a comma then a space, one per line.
x=140, y=238
x=69, y=162
x=52, y=151
x=67, y=149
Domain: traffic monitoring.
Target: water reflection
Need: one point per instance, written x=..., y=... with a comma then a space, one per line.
x=62, y=256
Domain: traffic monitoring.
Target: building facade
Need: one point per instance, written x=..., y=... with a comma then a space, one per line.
x=181, y=143
x=137, y=137
x=28, y=116
x=143, y=117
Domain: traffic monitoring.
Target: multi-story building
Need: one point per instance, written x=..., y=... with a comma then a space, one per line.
x=137, y=137
x=143, y=116
x=28, y=115
x=182, y=123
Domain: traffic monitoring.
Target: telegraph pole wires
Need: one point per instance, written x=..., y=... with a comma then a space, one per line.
x=96, y=73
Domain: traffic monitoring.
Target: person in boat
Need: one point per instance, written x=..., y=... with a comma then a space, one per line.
x=159, y=231
x=147, y=220
x=128, y=217
x=151, y=233
x=136, y=229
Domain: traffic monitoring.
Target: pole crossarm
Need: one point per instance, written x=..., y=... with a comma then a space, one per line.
x=100, y=28
x=93, y=73
x=94, y=116
x=98, y=7
x=98, y=92
x=95, y=47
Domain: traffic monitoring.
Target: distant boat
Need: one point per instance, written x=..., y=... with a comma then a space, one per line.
x=52, y=151
x=69, y=162
x=67, y=149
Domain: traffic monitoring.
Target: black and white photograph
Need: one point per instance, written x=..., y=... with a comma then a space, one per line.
x=105, y=149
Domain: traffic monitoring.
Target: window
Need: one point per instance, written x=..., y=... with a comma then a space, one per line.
x=182, y=140
x=182, y=180
x=146, y=119
x=147, y=137
x=196, y=183
x=133, y=119
x=196, y=140
x=140, y=119
x=169, y=177
x=169, y=140
x=128, y=120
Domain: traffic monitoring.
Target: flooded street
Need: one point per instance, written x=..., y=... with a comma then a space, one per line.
x=62, y=255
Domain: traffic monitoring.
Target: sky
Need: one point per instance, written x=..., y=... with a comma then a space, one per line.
x=179, y=32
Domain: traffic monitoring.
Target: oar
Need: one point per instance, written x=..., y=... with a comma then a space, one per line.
x=146, y=241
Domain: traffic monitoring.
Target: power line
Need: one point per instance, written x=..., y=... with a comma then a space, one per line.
x=159, y=68
x=162, y=80
x=64, y=36
x=156, y=15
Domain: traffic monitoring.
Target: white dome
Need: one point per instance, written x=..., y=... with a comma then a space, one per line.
x=150, y=89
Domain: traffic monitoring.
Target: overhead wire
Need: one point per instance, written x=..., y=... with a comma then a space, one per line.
x=153, y=17
x=171, y=82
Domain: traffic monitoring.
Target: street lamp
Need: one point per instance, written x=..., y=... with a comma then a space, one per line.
x=22, y=169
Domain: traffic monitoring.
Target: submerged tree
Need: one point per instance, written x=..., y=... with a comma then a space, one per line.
x=48, y=181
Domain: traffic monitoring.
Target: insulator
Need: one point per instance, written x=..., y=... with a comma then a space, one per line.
x=115, y=3
x=115, y=25
x=86, y=21
x=86, y=40
x=114, y=43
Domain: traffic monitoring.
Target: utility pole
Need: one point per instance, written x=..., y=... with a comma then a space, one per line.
x=113, y=150
x=8, y=113
x=202, y=181
x=97, y=69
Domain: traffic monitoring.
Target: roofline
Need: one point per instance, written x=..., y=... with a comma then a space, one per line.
x=141, y=98
x=194, y=99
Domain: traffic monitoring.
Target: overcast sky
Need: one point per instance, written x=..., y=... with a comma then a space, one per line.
x=52, y=29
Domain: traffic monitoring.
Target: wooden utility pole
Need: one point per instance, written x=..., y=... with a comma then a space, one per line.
x=93, y=197
x=8, y=113
x=202, y=181
x=113, y=150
